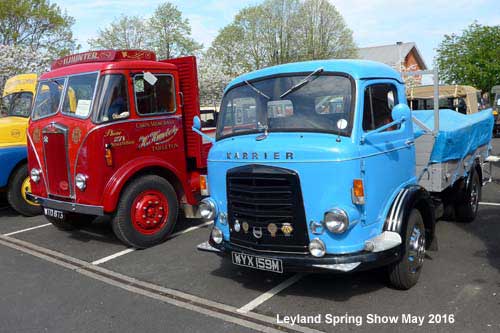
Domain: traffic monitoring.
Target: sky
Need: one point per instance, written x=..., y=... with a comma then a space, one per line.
x=373, y=22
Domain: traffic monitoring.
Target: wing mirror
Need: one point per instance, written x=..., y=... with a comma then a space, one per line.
x=197, y=128
x=400, y=114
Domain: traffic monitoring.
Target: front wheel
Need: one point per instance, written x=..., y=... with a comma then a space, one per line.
x=404, y=274
x=147, y=212
x=16, y=195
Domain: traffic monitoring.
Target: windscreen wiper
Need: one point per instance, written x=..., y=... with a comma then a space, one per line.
x=302, y=83
x=256, y=90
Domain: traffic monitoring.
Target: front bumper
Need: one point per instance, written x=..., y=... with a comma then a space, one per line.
x=308, y=263
x=70, y=207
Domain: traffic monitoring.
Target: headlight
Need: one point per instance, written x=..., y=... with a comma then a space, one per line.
x=81, y=181
x=208, y=209
x=217, y=235
x=336, y=220
x=317, y=248
x=35, y=175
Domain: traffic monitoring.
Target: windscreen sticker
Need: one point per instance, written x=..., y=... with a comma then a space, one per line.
x=280, y=109
x=83, y=107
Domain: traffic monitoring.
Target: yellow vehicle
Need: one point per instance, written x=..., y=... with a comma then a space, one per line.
x=15, y=108
x=463, y=99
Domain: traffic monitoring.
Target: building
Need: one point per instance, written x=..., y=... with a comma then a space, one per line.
x=403, y=57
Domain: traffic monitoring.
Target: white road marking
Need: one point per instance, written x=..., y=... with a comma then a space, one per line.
x=27, y=229
x=113, y=256
x=268, y=294
x=129, y=250
x=490, y=203
x=255, y=321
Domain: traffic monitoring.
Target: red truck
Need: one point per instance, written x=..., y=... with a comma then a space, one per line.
x=110, y=134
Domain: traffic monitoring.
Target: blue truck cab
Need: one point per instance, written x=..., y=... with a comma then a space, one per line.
x=315, y=168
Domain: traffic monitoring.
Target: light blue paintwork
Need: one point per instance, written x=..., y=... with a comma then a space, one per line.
x=326, y=167
x=9, y=159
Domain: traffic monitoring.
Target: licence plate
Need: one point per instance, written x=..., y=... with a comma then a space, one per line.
x=256, y=262
x=54, y=213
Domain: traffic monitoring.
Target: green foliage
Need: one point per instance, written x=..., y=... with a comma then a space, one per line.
x=127, y=32
x=471, y=58
x=282, y=31
x=37, y=25
x=166, y=32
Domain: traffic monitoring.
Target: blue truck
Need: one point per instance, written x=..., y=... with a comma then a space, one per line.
x=322, y=166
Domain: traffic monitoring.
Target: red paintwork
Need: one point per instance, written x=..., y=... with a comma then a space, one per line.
x=103, y=56
x=149, y=212
x=133, y=141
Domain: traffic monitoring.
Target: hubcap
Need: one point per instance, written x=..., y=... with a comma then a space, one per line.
x=416, y=251
x=149, y=212
x=474, y=197
x=26, y=187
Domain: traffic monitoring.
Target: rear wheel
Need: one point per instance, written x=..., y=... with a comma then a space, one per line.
x=16, y=195
x=468, y=200
x=71, y=221
x=405, y=273
x=147, y=212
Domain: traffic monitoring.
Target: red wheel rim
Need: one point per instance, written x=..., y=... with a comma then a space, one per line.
x=149, y=212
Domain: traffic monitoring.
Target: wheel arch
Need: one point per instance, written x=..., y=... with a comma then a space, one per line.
x=411, y=197
x=118, y=183
x=16, y=167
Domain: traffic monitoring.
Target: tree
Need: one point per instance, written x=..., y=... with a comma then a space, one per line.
x=171, y=33
x=282, y=31
x=212, y=80
x=128, y=32
x=37, y=25
x=471, y=58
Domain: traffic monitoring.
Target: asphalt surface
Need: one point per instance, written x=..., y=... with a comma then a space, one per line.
x=49, y=284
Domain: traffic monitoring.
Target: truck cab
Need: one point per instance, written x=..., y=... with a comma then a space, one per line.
x=110, y=134
x=314, y=169
x=15, y=108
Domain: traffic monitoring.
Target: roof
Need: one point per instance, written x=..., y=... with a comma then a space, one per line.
x=357, y=69
x=389, y=54
x=19, y=83
x=139, y=65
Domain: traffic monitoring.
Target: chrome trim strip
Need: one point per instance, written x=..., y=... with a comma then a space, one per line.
x=38, y=160
x=67, y=206
x=396, y=222
x=393, y=210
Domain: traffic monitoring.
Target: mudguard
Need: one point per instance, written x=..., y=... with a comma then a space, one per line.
x=410, y=197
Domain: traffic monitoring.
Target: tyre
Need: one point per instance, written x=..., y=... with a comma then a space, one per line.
x=146, y=213
x=16, y=193
x=467, y=202
x=71, y=221
x=404, y=274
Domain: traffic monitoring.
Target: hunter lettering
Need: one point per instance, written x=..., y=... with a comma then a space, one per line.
x=257, y=156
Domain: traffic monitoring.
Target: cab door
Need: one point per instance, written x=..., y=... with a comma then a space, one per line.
x=388, y=157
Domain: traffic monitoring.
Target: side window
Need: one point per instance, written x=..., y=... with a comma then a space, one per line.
x=113, y=98
x=154, y=98
x=379, y=101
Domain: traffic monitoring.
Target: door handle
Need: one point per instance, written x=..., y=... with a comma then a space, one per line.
x=409, y=142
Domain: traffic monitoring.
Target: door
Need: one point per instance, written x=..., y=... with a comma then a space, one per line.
x=388, y=157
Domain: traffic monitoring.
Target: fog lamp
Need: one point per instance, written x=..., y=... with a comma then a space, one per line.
x=336, y=221
x=217, y=235
x=208, y=209
x=81, y=181
x=317, y=248
x=35, y=175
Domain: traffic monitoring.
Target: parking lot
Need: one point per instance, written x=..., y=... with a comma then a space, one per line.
x=87, y=280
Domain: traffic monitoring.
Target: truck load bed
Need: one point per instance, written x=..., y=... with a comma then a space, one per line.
x=459, y=134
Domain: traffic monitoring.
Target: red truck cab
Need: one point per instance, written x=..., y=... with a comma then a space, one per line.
x=110, y=134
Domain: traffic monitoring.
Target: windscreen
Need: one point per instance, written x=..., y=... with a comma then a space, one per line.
x=16, y=105
x=295, y=103
x=48, y=97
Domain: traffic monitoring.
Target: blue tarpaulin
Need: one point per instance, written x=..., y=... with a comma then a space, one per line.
x=459, y=134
